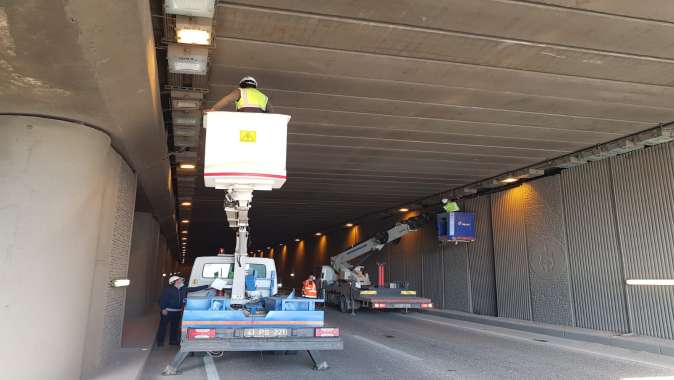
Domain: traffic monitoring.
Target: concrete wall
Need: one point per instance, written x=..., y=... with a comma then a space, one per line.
x=556, y=250
x=57, y=219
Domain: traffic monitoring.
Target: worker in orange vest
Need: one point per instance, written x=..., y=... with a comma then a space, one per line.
x=309, y=287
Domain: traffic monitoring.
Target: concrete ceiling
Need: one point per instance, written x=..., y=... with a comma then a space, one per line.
x=394, y=100
x=91, y=62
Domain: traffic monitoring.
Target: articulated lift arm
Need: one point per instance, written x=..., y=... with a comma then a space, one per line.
x=340, y=262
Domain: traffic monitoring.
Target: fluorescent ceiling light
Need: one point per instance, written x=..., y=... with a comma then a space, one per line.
x=349, y=225
x=186, y=203
x=193, y=36
x=651, y=282
x=318, y=234
x=187, y=166
x=509, y=180
x=298, y=240
x=193, y=30
x=403, y=209
x=185, y=221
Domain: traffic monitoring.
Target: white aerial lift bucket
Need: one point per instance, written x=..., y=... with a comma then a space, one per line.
x=245, y=149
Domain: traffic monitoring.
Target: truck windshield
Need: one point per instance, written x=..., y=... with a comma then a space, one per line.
x=217, y=270
x=260, y=270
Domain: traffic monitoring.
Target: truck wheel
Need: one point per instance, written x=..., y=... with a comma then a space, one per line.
x=343, y=305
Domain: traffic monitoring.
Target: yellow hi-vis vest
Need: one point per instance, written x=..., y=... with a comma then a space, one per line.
x=252, y=98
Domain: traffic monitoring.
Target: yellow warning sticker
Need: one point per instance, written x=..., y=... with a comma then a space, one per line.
x=368, y=292
x=408, y=292
x=247, y=136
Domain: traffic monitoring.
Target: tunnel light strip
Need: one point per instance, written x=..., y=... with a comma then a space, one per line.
x=651, y=282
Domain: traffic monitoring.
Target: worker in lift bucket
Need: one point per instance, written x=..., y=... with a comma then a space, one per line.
x=246, y=98
x=309, y=287
x=171, y=304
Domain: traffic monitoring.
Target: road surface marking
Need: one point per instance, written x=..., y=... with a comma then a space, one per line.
x=385, y=347
x=211, y=371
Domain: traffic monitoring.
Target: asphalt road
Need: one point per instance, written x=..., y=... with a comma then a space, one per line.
x=385, y=345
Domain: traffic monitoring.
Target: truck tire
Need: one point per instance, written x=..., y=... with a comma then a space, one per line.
x=343, y=305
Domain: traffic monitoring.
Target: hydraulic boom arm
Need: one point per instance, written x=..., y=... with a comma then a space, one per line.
x=340, y=262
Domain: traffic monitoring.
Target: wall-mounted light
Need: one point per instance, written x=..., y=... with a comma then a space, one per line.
x=120, y=282
x=650, y=282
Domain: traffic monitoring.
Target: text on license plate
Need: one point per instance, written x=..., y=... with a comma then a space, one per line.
x=265, y=333
x=402, y=305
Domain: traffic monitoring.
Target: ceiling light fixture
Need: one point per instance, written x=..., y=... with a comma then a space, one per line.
x=318, y=234
x=199, y=8
x=193, y=30
x=186, y=204
x=298, y=240
x=185, y=221
x=509, y=180
x=187, y=166
x=349, y=225
x=403, y=209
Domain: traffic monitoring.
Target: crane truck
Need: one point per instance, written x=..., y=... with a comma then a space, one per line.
x=243, y=311
x=349, y=288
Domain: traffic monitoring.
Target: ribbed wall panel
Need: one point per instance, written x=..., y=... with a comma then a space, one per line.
x=409, y=250
x=546, y=249
x=481, y=258
x=457, y=281
x=513, y=295
x=594, y=252
x=432, y=274
x=644, y=194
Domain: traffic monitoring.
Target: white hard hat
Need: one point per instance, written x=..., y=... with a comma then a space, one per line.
x=173, y=279
x=248, y=80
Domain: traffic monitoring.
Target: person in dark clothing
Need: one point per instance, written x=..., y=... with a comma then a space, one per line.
x=171, y=304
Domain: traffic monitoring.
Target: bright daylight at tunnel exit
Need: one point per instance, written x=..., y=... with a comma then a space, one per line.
x=336, y=189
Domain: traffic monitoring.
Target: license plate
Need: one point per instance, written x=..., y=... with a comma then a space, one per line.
x=402, y=305
x=265, y=333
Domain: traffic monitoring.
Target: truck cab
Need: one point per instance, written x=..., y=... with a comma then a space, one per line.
x=208, y=268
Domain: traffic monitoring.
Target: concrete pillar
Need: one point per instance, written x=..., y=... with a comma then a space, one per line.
x=52, y=177
x=106, y=313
